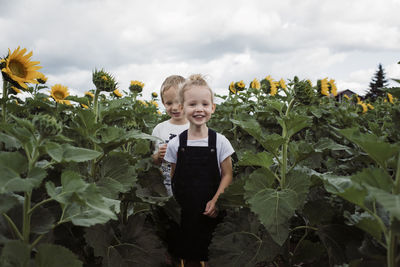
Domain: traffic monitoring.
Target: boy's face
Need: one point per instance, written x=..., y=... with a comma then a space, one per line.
x=172, y=106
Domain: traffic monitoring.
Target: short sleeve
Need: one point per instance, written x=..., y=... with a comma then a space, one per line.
x=224, y=147
x=172, y=150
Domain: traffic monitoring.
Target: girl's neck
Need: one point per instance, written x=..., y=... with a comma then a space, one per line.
x=195, y=132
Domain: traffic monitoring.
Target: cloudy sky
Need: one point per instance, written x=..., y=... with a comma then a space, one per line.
x=227, y=40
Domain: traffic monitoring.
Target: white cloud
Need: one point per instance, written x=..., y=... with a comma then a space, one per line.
x=226, y=40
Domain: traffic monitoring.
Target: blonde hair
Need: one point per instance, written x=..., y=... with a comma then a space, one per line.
x=173, y=81
x=194, y=80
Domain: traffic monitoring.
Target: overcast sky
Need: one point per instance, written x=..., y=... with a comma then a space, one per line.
x=226, y=40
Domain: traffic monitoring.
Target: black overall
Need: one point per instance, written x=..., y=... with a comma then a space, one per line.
x=195, y=182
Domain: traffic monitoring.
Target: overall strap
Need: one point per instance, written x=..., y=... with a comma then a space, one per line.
x=212, y=138
x=183, y=138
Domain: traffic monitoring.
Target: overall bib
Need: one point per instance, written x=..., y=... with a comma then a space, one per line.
x=195, y=182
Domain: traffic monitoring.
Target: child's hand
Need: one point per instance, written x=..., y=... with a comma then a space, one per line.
x=162, y=149
x=211, y=209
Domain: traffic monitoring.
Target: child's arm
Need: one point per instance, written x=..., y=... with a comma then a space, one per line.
x=158, y=156
x=226, y=179
x=173, y=165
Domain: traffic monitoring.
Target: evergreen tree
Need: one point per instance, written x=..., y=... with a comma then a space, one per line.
x=378, y=81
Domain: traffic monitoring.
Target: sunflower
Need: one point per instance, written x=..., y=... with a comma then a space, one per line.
x=117, y=93
x=41, y=78
x=240, y=85
x=103, y=81
x=136, y=86
x=84, y=106
x=16, y=90
x=390, y=97
x=364, y=106
x=232, y=88
x=333, y=87
x=274, y=89
x=324, y=87
x=154, y=103
x=282, y=84
x=90, y=94
x=18, y=69
x=154, y=95
x=59, y=93
x=371, y=107
x=347, y=97
x=143, y=103
x=255, y=84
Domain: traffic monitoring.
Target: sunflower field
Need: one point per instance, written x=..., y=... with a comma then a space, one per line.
x=316, y=176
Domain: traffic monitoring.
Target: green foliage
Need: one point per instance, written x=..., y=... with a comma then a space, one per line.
x=316, y=181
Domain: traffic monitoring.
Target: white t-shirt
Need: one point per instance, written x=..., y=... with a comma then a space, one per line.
x=166, y=130
x=224, y=148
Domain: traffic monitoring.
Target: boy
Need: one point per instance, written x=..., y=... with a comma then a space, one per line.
x=166, y=130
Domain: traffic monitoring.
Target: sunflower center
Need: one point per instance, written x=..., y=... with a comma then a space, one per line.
x=17, y=68
x=59, y=95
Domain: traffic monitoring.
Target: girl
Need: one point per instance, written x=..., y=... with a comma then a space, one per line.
x=201, y=169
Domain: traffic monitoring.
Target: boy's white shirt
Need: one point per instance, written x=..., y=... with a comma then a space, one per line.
x=224, y=148
x=164, y=130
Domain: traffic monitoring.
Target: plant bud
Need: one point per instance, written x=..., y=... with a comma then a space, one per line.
x=46, y=125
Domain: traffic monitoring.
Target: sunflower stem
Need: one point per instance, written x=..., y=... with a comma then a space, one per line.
x=3, y=109
x=96, y=105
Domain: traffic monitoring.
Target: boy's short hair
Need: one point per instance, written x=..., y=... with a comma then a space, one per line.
x=171, y=81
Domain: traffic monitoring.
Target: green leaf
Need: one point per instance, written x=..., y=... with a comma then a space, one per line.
x=233, y=195
x=276, y=207
x=270, y=142
x=328, y=144
x=138, y=245
x=241, y=241
x=142, y=147
x=150, y=187
x=262, y=159
x=110, y=138
x=9, y=141
x=24, y=123
x=251, y=126
x=14, y=161
x=15, y=254
x=365, y=222
x=68, y=153
x=294, y=123
x=100, y=237
x=42, y=221
x=336, y=238
x=50, y=255
x=7, y=202
x=277, y=105
x=390, y=202
x=116, y=175
x=375, y=177
x=378, y=150
x=12, y=165
x=82, y=203
x=344, y=187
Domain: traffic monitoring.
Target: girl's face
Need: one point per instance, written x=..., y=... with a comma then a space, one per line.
x=198, y=105
x=172, y=106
